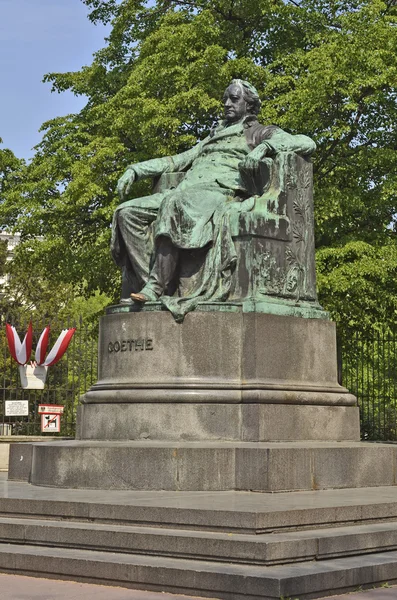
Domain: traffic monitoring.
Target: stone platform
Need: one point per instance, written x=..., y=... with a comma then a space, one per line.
x=227, y=400
x=198, y=466
x=228, y=545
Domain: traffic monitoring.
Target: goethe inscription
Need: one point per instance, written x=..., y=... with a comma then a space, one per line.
x=130, y=345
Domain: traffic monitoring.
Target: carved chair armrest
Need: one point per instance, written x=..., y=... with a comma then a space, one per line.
x=282, y=185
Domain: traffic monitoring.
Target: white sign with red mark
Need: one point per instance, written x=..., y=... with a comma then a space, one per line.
x=50, y=409
x=50, y=423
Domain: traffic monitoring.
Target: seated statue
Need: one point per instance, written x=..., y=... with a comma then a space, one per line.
x=150, y=234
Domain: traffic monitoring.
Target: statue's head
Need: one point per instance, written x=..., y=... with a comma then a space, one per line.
x=240, y=99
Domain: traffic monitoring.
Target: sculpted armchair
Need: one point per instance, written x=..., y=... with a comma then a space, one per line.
x=268, y=238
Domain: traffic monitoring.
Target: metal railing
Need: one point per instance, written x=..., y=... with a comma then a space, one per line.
x=368, y=367
x=66, y=381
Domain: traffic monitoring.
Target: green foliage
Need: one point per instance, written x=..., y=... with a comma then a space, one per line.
x=3, y=257
x=358, y=284
x=9, y=167
x=324, y=68
x=32, y=290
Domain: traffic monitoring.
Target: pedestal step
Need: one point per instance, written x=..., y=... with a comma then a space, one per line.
x=208, y=579
x=264, y=549
x=230, y=512
x=199, y=466
x=228, y=545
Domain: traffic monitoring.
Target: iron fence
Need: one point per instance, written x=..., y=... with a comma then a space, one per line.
x=66, y=381
x=368, y=368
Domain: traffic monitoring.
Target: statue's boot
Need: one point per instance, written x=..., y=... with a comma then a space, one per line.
x=143, y=297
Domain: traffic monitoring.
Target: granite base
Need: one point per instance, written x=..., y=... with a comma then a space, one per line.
x=202, y=466
x=225, y=357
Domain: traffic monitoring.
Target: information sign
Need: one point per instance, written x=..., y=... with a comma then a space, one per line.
x=17, y=408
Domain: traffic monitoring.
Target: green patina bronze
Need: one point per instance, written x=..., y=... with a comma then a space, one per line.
x=230, y=223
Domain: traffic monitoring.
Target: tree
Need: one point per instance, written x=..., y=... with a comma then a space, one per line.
x=358, y=285
x=30, y=287
x=3, y=257
x=9, y=165
x=324, y=68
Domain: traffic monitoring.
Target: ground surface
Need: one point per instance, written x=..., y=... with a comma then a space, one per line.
x=17, y=587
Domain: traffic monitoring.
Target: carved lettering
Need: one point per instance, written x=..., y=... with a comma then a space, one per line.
x=140, y=344
x=130, y=345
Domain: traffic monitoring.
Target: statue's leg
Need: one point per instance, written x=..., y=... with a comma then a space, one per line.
x=132, y=240
x=163, y=274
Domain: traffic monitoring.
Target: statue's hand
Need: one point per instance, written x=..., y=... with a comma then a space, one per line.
x=252, y=160
x=249, y=164
x=125, y=182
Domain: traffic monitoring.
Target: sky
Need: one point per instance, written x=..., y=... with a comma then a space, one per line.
x=39, y=37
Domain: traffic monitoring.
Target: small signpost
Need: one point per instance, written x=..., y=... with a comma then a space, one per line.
x=50, y=409
x=50, y=417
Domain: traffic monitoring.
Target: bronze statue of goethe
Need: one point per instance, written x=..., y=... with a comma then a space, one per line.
x=149, y=233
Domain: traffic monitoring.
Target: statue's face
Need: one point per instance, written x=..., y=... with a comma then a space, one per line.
x=235, y=107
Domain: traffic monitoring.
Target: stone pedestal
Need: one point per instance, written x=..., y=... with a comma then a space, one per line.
x=228, y=357
x=227, y=376
x=225, y=401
